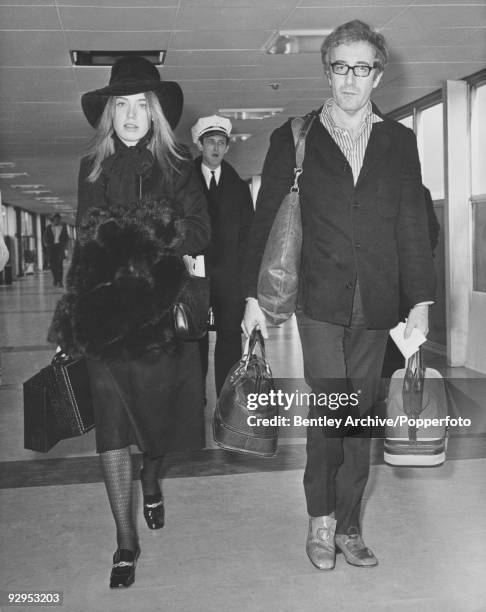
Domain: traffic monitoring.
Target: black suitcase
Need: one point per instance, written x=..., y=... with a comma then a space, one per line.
x=57, y=403
x=41, y=431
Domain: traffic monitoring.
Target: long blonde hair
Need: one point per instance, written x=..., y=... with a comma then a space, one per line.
x=162, y=143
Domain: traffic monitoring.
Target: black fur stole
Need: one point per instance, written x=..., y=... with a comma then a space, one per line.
x=124, y=276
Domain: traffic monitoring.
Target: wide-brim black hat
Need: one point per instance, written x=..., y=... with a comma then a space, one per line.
x=132, y=75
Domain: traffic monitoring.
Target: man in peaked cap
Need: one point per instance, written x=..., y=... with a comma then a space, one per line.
x=231, y=213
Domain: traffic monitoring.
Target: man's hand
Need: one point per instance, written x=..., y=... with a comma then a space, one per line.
x=254, y=318
x=419, y=318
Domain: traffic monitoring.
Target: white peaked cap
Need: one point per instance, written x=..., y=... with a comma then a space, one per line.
x=215, y=123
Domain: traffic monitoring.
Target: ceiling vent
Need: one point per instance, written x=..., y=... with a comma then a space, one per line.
x=108, y=58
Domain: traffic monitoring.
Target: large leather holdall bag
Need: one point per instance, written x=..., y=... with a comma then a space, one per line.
x=236, y=426
x=278, y=278
x=417, y=404
x=57, y=403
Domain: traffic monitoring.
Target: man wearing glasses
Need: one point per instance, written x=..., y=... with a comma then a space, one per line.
x=364, y=229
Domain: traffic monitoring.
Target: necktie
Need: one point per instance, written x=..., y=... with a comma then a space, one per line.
x=213, y=186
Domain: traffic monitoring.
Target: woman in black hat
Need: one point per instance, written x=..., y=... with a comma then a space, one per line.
x=140, y=208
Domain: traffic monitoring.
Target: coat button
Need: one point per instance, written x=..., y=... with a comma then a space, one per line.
x=357, y=245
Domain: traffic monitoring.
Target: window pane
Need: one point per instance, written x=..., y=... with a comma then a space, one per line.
x=478, y=141
x=407, y=121
x=431, y=137
x=479, y=247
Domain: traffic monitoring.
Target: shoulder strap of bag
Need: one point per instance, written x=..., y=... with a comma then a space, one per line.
x=300, y=129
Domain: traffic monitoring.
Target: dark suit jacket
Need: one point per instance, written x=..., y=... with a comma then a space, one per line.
x=231, y=213
x=375, y=231
x=48, y=237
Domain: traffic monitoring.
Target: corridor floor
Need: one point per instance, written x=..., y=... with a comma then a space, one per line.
x=234, y=539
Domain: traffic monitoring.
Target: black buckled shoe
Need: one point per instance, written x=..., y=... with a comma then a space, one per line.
x=123, y=568
x=153, y=511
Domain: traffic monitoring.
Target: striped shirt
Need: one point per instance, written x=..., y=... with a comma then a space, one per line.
x=352, y=149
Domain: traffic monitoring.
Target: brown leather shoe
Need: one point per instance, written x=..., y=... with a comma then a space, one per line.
x=354, y=549
x=320, y=541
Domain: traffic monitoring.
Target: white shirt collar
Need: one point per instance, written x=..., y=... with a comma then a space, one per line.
x=207, y=173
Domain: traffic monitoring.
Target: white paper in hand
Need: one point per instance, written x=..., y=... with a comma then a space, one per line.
x=410, y=345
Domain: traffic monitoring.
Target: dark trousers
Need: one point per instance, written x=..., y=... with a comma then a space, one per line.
x=226, y=353
x=56, y=257
x=337, y=467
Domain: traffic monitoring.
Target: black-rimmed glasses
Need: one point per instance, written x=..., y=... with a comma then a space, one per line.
x=360, y=70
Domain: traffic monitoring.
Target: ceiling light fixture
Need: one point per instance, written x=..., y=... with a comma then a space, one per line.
x=22, y=187
x=249, y=113
x=12, y=175
x=108, y=58
x=284, y=42
x=239, y=137
x=35, y=191
x=7, y=165
x=49, y=199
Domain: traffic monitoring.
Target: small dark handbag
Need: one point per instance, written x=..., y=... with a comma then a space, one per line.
x=235, y=422
x=190, y=310
x=278, y=279
x=57, y=403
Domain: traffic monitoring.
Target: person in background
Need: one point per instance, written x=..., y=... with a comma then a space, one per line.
x=55, y=241
x=140, y=210
x=364, y=229
x=231, y=213
x=4, y=254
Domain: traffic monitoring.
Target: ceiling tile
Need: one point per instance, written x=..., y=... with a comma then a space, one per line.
x=225, y=57
x=275, y=67
x=27, y=3
x=348, y=4
x=38, y=84
x=286, y=85
x=218, y=39
x=89, y=78
x=29, y=18
x=331, y=17
x=212, y=85
x=116, y=20
x=288, y=4
x=465, y=15
x=119, y=5
x=440, y=53
x=237, y=18
x=437, y=4
x=33, y=49
x=204, y=72
x=398, y=36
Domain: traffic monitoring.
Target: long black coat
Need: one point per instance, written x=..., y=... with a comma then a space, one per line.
x=375, y=232
x=231, y=213
x=117, y=307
